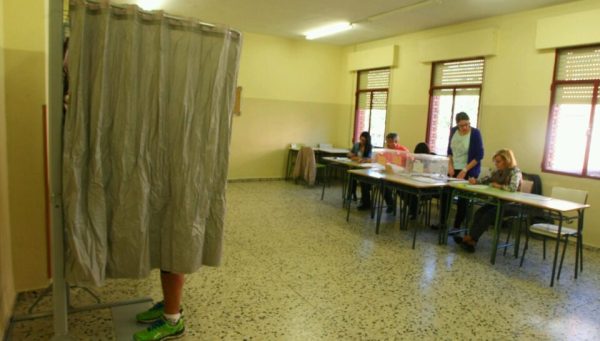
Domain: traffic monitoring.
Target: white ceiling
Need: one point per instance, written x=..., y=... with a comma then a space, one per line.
x=374, y=19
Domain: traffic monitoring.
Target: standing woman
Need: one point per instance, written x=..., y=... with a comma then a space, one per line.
x=362, y=152
x=465, y=151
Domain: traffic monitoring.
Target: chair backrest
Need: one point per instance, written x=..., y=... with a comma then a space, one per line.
x=526, y=186
x=537, y=182
x=305, y=166
x=569, y=194
x=307, y=150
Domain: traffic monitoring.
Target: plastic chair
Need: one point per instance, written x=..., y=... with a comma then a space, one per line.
x=550, y=230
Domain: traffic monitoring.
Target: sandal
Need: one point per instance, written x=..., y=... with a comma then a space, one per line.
x=468, y=247
x=468, y=244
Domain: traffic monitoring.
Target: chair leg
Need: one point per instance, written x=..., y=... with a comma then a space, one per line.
x=578, y=254
x=562, y=258
x=525, y=247
x=508, y=236
x=580, y=240
x=402, y=211
x=428, y=219
x=373, y=201
x=544, y=242
x=522, y=221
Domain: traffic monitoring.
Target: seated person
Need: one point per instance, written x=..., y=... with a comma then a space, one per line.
x=423, y=148
x=391, y=142
x=420, y=148
x=386, y=156
x=361, y=152
x=506, y=177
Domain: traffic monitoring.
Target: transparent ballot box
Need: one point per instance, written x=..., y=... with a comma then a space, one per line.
x=394, y=161
x=428, y=165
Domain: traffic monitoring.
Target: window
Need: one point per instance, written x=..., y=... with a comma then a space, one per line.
x=573, y=134
x=371, y=104
x=455, y=87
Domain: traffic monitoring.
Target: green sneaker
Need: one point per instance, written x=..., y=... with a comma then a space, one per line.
x=151, y=315
x=161, y=330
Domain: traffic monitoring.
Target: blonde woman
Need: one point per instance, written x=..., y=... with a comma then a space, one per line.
x=506, y=177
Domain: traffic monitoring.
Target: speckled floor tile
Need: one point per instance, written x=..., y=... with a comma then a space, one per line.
x=294, y=269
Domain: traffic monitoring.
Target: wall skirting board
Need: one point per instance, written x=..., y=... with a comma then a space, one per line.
x=255, y=179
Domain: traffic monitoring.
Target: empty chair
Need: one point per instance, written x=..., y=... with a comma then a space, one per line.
x=550, y=230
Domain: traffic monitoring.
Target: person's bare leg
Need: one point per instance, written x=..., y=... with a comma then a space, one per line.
x=172, y=286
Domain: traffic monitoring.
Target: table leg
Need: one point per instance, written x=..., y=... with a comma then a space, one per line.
x=350, y=178
x=579, y=243
x=287, y=166
x=344, y=186
x=326, y=178
x=379, y=203
x=560, y=222
x=446, y=202
x=497, y=226
x=415, y=227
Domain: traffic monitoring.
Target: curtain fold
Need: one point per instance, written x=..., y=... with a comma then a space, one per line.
x=146, y=142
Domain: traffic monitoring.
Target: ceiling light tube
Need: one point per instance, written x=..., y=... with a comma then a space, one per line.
x=327, y=30
x=150, y=5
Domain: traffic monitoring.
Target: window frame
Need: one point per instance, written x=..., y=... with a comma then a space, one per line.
x=357, y=132
x=433, y=88
x=594, y=103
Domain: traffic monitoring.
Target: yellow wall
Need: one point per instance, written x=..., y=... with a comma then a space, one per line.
x=24, y=45
x=291, y=93
x=7, y=290
x=294, y=91
x=515, y=98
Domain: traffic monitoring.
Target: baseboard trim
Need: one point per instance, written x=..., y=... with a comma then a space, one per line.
x=255, y=179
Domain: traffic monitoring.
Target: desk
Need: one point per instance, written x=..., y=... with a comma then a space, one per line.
x=421, y=187
x=343, y=163
x=499, y=198
x=319, y=153
x=371, y=176
x=332, y=151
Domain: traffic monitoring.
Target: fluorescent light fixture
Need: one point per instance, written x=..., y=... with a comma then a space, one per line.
x=150, y=5
x=327, y=30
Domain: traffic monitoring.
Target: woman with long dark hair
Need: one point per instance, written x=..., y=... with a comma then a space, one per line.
x=362, y=152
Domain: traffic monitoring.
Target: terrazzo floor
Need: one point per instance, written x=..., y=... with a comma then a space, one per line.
x=294, y=269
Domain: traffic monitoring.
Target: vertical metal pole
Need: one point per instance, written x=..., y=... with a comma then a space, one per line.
x=54, y=96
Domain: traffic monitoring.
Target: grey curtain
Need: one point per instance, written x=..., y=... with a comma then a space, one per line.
x=146, y=142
